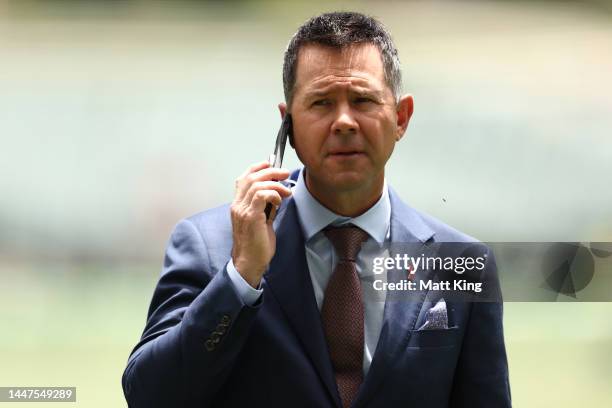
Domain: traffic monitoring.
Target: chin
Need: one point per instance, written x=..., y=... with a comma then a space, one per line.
x=346, y=181
x=337, y=179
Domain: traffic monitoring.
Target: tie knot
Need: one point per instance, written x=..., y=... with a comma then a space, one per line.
x=346, y=240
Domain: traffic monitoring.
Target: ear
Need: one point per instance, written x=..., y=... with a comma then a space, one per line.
x=405, y=108
x=282, y=108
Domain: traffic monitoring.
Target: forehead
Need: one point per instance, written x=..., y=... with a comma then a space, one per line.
x=319, y=66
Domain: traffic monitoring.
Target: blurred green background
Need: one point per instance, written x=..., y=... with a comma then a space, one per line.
x=119, y=118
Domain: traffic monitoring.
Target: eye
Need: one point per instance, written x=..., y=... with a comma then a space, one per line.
x=321, y=102
x=363, y=99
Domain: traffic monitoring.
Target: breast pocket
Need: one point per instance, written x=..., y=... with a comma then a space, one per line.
x=434, y=338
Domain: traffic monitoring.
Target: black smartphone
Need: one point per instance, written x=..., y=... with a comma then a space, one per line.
x=276, y=158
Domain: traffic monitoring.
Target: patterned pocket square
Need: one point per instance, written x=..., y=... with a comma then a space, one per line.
x=436, y=318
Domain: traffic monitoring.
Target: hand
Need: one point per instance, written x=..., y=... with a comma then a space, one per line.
x=253, y=235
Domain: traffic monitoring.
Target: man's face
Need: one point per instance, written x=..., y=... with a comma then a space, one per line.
x=345, y=119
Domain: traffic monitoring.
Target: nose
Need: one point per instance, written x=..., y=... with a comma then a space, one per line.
x=344, y=122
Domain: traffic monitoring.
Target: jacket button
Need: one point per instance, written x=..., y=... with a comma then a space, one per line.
x=210, y=346
x=225, y=320
x=215, y=337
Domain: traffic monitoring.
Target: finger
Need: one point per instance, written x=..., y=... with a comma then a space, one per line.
x=282, y=190
x=270, y=173
x=266, y=174
x=272, y=214
x=240, y=181
x=263, y=197
x=255, y=167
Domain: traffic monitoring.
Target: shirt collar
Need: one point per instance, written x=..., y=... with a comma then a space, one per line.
x=314, y=216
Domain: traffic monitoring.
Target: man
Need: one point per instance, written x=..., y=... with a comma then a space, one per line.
x=253, y=312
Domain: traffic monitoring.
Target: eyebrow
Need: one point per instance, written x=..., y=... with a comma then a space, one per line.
x=360, y=92
x=369, y=92
x=316, y=94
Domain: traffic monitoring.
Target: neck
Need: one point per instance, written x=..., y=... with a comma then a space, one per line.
x=350, y=202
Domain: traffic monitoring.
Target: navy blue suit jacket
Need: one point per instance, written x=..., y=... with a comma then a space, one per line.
x=203, y=347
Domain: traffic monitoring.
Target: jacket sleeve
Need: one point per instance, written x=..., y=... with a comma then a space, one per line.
x=197, y=324
x=481, y=376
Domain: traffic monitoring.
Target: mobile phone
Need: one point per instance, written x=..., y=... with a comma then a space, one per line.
x=276, y=158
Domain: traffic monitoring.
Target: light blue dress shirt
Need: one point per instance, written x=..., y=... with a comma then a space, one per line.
x=321, y=257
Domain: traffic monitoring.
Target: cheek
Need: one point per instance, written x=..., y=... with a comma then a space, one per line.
x=308, y=142
x=380, y=132
x=388, y=124
x=309, y=137
x=372, y=126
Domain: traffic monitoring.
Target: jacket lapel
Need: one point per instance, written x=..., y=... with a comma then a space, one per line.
x=290, y=282
x=400, y=314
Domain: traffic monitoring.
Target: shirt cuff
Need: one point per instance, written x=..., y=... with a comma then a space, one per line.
x=246, y=292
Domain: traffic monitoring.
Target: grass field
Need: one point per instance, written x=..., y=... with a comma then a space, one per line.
x=69, y=326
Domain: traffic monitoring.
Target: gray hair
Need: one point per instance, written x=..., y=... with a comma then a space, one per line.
x=340, y=30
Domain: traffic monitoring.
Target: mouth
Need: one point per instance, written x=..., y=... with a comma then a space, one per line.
x=346, y=154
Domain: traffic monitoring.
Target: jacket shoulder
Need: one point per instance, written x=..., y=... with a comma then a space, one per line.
x=425, y=226
x=212, y=220
x=444, y=232
x=215, y=234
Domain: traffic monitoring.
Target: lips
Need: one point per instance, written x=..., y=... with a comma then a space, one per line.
x=345, y=152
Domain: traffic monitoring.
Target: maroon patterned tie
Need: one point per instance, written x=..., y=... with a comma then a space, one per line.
x=342, y=312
